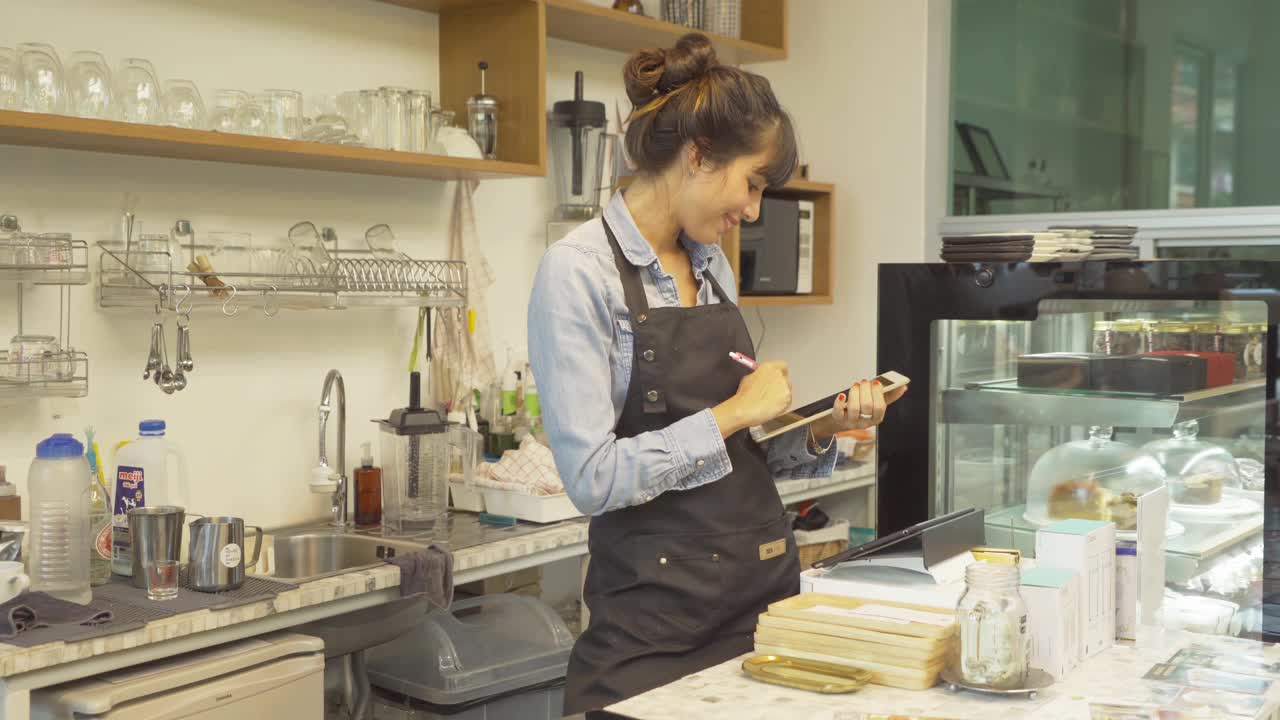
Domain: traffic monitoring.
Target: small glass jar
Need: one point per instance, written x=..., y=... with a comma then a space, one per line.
x=1118, y=337
x=150, y=256
x=994, y=642
x=1206, y=337
x=1236, y=339
x=30, y=357
x=1169, y=336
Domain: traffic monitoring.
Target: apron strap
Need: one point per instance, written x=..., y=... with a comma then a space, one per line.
x=632, y=287
x=715, y=285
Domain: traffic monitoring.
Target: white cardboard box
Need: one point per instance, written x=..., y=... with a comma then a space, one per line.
x=1088, y=548
x=1053, y=614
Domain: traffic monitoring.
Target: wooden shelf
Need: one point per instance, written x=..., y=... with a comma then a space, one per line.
x=583, y=22
x=70, y=133
x=823, y=197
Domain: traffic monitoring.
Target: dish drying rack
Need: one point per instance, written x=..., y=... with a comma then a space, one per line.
x=277, y=279
x=46, y=259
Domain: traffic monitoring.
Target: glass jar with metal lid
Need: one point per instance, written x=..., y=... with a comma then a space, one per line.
x=1205, y=336
x=1172, y=335
x=1118, y=337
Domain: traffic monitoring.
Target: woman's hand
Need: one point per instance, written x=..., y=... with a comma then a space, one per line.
x=862, y=407
x=762, y=396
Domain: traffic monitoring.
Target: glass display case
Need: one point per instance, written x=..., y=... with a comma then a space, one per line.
x=1052, y=391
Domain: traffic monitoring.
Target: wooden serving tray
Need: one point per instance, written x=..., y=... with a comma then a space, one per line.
x=875, y=615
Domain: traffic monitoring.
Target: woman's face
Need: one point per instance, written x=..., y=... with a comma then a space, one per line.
x=715, y=200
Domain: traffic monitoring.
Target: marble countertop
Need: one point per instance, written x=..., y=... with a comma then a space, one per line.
x=15, y=660
x=724, y=692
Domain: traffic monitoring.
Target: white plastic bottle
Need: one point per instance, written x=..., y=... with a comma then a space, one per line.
x=144, y=477
x=59, y=529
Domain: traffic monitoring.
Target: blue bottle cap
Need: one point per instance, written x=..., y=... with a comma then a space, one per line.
x=151, y=426
x=61, y=445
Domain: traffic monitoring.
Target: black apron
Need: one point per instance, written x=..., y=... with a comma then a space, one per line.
x=675, y=585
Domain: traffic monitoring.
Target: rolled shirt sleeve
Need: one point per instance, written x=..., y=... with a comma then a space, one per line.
x=571, y=331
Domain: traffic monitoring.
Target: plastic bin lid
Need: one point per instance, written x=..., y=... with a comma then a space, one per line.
x=480, y=647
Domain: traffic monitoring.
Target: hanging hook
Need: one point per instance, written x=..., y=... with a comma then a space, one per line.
x=268, y=308
x=228, y=302
x=186, y=298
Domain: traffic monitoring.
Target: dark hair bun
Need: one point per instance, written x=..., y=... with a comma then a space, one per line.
x=650, y=73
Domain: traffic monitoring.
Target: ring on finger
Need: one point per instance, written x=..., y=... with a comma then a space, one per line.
x=865, y=416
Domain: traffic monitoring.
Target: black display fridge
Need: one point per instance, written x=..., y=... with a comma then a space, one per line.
x=1022, y=373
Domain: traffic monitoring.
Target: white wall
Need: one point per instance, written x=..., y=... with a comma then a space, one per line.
x=247, y=421
x=855, y=83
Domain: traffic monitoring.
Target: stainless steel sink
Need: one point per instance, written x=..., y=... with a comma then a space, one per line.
x=310, y=555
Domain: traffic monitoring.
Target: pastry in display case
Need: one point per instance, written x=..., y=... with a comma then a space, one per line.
x=1197, y=471
x=1092, y=479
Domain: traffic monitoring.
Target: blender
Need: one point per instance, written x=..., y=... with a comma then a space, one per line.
x=415, y=481
x=579, y=149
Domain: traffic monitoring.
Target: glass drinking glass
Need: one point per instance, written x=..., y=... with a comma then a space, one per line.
x=139, y=91
x=26, y=353
x=419, y=120
x=376, y=129
x=440, y=119
x=183, y=106
x=162, y=579
x=284, y=114
x=150, y=257
x=395, y=104
x=10, y=98
x=226, y=103
x=328, y=124
x=40, y=78
x=251, y=117
x=89, y=90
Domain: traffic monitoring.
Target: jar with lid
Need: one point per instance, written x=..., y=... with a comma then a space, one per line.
x=1236, y=340
x=994, y=642
x=1167, y=335
x=1118, y=337
x=1255, y=359
x=1206, y=337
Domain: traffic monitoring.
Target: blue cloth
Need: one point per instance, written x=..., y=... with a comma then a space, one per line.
x=580, y=348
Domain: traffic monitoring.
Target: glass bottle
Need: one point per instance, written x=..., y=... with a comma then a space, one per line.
x=99, y=531
x=994, y=643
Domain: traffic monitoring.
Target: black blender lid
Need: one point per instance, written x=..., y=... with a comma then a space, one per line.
x=578, y=112
x=415, y=419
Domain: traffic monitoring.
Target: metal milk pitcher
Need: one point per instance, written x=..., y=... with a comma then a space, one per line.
x=216, y=553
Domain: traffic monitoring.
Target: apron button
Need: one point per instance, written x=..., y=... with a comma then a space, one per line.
x=662, y=561
x=648, y=355
x=642, y=318
x=651, y=396
x=715, y=557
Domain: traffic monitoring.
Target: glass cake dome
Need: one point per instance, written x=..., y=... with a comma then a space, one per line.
x=1092, y=479
x=1197, y=470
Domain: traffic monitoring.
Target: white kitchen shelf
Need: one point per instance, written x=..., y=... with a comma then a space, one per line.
x=845, y=477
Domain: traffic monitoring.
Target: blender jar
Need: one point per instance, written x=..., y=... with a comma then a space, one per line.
x=578, y=149
x=415, y=472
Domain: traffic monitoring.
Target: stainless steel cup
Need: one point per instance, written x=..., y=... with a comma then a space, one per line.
x=157, y=535
x=216, y=553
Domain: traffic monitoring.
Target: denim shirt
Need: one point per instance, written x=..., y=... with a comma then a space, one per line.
x=580, y=349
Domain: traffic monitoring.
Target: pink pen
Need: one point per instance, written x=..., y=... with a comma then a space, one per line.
x=743, y=360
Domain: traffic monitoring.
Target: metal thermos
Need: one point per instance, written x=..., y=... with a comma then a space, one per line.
x=157, y=535
x=217, y=553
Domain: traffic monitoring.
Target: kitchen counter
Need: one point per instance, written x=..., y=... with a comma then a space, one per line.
x=24, y=669
x=724, y=692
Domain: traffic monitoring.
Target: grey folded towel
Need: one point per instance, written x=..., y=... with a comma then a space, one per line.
x=33, y=610
x=427, y=572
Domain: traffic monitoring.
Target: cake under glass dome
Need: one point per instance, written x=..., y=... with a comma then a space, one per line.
x=1092, y=479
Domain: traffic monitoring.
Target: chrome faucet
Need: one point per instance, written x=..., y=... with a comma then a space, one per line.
x=325, y=478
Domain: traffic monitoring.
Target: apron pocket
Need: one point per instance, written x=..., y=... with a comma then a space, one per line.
x=663, y=589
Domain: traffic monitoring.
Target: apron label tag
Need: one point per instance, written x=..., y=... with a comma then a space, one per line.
x=773, y=549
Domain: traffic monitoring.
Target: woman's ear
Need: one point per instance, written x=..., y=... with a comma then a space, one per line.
x=697, y=161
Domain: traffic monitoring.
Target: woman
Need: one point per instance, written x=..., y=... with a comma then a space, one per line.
x=631, y=323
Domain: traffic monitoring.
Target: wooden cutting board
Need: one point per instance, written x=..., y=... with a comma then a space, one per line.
x=887, y=675
x=854, y=650
x=875, y=615
x=920, y=646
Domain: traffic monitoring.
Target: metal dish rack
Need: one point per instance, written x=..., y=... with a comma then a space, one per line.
x=345, y=278
x=54, y=259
